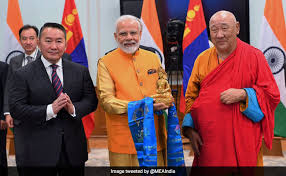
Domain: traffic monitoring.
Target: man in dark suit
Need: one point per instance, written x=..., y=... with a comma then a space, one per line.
x=48, y=98
x=28, y=36
x=3, y=125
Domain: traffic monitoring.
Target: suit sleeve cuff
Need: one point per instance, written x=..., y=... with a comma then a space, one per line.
x=74, y=114
x=252, y=110
x=188, y=121
x=4, y=116
x=50, y=113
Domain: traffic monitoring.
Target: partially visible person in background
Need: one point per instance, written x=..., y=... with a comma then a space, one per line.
x=28, y=36
x=3, y=124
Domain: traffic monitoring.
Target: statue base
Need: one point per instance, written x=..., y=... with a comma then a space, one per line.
x=168, y=100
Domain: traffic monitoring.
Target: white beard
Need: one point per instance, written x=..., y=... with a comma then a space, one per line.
x=128, y=50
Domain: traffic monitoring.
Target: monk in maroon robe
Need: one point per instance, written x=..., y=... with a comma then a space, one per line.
x=230, y=99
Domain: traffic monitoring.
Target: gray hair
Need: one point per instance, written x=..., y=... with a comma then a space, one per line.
x=128, y=17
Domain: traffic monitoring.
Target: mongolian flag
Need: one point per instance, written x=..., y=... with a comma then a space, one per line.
x=195, y=41
x=76, y=48
x=273, y=45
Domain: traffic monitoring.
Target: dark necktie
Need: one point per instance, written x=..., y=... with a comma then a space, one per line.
x=29, y=59
x=56, y=82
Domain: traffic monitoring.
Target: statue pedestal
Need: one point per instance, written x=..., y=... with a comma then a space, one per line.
x=166, y=99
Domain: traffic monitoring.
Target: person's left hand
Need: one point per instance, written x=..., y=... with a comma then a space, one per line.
x=69, y=106
x=3, y=125
x=232, y=95
x=159, y=106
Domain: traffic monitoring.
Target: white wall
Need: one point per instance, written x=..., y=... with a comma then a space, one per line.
x=97, y=19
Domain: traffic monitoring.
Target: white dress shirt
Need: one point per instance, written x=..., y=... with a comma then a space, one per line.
x=33, y=55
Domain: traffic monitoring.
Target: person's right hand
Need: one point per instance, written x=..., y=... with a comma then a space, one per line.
x=159, y=106
x=9, y=120
x=3, y=125
x=59, y=103
x=195, y=139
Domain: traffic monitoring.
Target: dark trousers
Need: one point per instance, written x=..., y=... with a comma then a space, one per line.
x=63, y=168
x=3, y=156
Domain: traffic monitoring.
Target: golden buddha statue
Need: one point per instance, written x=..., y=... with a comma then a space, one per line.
x=163, y=94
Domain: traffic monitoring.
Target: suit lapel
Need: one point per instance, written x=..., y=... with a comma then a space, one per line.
x=38, y=54
x=44, y=79
x=67, y=74
x=19, y=62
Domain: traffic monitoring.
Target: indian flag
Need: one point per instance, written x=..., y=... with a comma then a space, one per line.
x=13, y=24
x=273, y=45
x=151, y=34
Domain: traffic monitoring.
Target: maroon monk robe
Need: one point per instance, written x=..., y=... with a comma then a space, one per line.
x=229, y=137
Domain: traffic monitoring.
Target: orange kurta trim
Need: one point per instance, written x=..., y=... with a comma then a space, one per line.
x=206, y=62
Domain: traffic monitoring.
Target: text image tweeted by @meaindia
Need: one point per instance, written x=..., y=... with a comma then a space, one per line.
x=142, y=171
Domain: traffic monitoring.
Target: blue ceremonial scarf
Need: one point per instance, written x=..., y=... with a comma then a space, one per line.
x=142, y=127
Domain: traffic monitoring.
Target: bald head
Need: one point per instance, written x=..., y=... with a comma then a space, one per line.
x=224, y=15
x=223, y=31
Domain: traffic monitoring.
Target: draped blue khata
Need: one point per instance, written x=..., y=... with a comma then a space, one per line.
x=142, y=127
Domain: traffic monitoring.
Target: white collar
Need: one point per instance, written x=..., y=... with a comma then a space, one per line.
x=47, y=63
x=33, y=54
